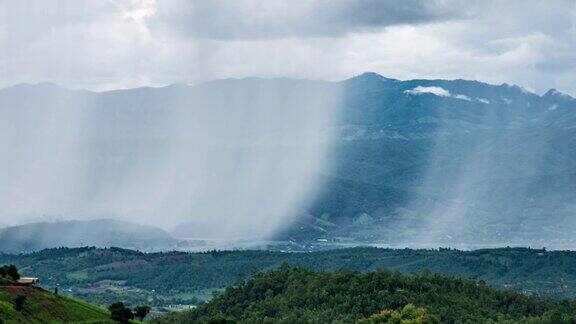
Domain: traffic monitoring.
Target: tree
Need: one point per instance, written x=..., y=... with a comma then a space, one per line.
x=410, y=314
x=19, y=302
x=141, y=311
x=120, y=313
x=220, y=320
x=10, y=271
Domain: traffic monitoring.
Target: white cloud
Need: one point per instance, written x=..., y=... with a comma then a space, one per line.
x=463, y=97
x=438, y=91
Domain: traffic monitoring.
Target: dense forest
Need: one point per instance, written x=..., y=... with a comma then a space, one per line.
x=296, y=295
x=104, y=276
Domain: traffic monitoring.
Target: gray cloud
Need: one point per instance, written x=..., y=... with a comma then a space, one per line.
x=117, y=44
x=222, y=19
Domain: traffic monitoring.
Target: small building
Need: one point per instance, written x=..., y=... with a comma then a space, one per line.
x=28, y=281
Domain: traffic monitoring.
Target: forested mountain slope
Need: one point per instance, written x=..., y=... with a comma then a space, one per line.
x=449, y=163
x=104, y=276
x=290, y=295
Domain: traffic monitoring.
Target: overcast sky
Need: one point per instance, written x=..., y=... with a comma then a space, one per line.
x=110, y=44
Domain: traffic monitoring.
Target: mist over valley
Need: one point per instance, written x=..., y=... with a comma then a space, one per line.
x=418, y=163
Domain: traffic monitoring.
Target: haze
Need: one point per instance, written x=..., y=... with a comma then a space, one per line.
x=218, y=119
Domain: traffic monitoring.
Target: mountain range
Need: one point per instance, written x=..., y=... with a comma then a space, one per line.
x=416, y=162
x=439, y=162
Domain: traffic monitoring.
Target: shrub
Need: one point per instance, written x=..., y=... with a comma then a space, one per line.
x=19, y=302
x=141, y=311
x=120, y=313
x=10, y=272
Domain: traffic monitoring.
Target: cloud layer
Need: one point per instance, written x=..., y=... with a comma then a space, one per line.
x=118, y=44
x=228, y=20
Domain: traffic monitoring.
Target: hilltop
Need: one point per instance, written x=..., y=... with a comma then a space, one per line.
x=293, y=295
x=100, y=232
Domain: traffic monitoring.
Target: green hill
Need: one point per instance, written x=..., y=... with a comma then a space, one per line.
x=295, y=295
x=41, y=306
